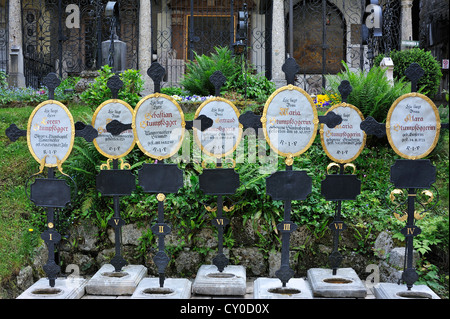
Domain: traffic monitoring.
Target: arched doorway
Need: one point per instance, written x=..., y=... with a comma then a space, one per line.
x=319, y=41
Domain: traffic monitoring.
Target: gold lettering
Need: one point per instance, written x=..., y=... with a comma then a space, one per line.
x=287, y=226
x=410, y=230
x=161, y=229
x=219, y=221
x=116, y=221
x=338, y=225
x=284, y=110
x=51, y=236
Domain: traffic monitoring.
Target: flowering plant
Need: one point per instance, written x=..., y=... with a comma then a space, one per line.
x=193, y=98
x=322, y=100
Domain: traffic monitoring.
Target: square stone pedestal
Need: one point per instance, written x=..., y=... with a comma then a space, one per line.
x=345, y=284
x=108, y=282
x=174, y=288
x=271, y=288
x=65, y=288
x=230, y=282
x=395, y=291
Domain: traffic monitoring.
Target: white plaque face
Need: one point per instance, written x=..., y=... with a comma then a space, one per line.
x=290, y=121
x=224, y=135
x=158, y=124
x=113, y=146
x=413, y=125
x=50, y=133
x=345, y=142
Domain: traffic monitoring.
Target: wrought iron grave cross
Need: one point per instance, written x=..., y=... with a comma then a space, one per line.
x=52, y=192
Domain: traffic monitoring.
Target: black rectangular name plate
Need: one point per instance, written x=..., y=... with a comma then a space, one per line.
x=413, y=173
x=289, y=185
x=220, y=181
x=50, y=192
x=116, y=182
x=160, y=178
x=341, y=187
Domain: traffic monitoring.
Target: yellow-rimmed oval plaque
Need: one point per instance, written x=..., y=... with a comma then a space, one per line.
x=113, y=146
x=158, y=125
x=290, y=121
x=223, y=137
x=50, y=133
x=344, y=142
x=413, y=126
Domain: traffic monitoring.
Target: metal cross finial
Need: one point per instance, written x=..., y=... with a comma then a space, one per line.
x=414, y=72
x=345, y=89
x=156, y=73
x=51, y=81
x=115, y=84
x=290, y=69
x=218, y=80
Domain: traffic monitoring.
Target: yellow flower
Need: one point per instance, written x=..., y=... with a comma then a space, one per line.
x=30, y=229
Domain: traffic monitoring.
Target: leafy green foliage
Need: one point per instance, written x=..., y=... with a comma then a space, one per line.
x=371, y=92
x=3, y=77
x=254, y=86
x=98, y=91
x=196, y=79
x=430, y=81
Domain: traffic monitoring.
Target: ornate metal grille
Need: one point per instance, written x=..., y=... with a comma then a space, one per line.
x=328, y=32
x=52, y=45
x=4, y=35
x=182, y=27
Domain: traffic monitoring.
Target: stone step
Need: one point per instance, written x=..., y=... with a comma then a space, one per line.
x=178, y=288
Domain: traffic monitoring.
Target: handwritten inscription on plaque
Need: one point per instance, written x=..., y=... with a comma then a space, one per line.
x=50, y=133
x=158, y=123
x=344, y=142
x=225, y=134
x=113, y=146
x=290, y=121
x=413, y=125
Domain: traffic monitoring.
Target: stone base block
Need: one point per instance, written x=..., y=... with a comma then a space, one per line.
x=108, y=282
x=66, y=288
x=395, y=291
x=230, y=282
x=173, y=288
x=271, y=288
x=345, y=284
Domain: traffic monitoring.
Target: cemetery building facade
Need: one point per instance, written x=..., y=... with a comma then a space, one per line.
x=66, y=36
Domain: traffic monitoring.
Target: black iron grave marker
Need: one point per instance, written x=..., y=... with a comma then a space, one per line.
x=50, y=136
x=412, y=128
x=114, y=180
x=290, y=125
x=158, y=124
x=218, y=141
x=342, y=144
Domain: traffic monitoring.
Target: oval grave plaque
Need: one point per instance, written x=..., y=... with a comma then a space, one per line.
x=50, y=133
x=158, y=124
x=290, y=121
x=224, y=135
x=109, y=145
x=413, y=125
x=344, y=142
